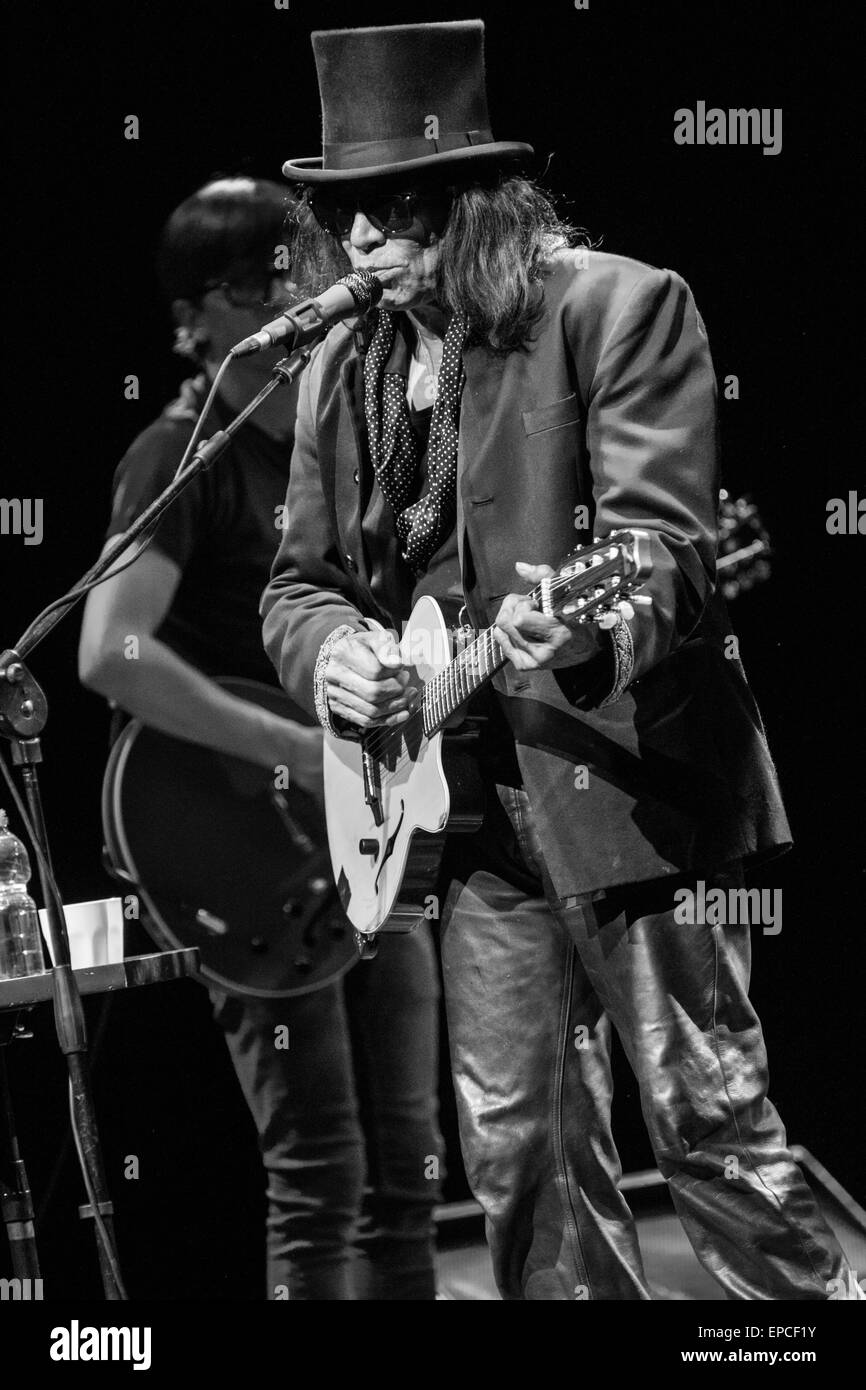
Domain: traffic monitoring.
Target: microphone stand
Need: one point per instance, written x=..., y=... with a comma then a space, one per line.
x=23, y=716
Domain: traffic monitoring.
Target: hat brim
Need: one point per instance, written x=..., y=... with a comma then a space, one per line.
x=495, y=152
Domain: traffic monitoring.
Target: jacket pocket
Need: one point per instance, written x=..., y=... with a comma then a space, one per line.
x=551, y=417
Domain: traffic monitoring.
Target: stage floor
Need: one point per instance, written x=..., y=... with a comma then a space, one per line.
x=672, y=1267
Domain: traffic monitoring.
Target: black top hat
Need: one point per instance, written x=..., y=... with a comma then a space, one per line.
x=404, y=97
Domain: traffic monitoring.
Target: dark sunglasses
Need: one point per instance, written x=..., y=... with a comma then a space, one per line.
x=391, y=213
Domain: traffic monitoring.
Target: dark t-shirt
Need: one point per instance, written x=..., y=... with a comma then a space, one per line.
x=222, y=532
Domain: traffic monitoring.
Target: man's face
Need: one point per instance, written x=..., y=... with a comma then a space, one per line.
x=226, y=313
x=385, y=230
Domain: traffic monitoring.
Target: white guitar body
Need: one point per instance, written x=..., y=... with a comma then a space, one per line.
x=379, y=791
x=413, y=796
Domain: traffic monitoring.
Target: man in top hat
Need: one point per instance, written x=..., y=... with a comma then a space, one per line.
x=507, y=390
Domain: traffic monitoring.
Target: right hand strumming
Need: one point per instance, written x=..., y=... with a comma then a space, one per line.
x=367, y=683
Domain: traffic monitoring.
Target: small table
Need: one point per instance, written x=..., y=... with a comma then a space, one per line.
x=102, y=979
x=24, y=993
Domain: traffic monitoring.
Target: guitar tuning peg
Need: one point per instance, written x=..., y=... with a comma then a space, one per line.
x=611, y=616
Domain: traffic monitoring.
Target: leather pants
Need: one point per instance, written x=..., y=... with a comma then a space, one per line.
x=532, y=988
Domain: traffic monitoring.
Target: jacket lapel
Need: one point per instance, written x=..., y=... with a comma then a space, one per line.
x=483, y=393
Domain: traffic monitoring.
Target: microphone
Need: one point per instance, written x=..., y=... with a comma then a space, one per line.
x=355, y=294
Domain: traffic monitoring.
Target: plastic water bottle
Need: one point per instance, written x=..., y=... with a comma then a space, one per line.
x=20, y=942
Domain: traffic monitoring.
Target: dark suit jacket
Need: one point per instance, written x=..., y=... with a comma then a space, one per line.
x=612, y=406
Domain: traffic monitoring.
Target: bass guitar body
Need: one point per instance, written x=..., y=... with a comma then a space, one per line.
x=226, y=860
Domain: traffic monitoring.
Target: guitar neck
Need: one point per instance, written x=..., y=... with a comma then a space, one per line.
x=590, y=580
x=452, y=687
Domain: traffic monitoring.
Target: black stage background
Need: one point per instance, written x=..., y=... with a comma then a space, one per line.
x=231, y=87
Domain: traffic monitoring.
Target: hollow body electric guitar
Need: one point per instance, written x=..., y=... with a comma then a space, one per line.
x=382, y=789
x=225, y=860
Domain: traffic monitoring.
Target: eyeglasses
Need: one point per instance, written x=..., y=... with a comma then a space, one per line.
x=391, y=213
x=278, y=292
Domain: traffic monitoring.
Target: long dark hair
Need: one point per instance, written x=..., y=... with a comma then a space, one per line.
x=499, y=238
x=494, y=251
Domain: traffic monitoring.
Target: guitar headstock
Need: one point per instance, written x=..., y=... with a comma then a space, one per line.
x=744, y=545
x=594, y=579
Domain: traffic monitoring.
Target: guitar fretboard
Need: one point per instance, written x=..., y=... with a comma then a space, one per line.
x=445, y=693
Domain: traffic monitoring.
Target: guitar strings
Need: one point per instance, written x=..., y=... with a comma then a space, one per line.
x=461, y=664
x=398, y=735
x=464, y=662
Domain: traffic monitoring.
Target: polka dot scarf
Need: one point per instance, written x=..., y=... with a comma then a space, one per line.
x=396, y=450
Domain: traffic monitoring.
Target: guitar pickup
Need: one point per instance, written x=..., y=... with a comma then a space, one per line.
x=372, y=787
